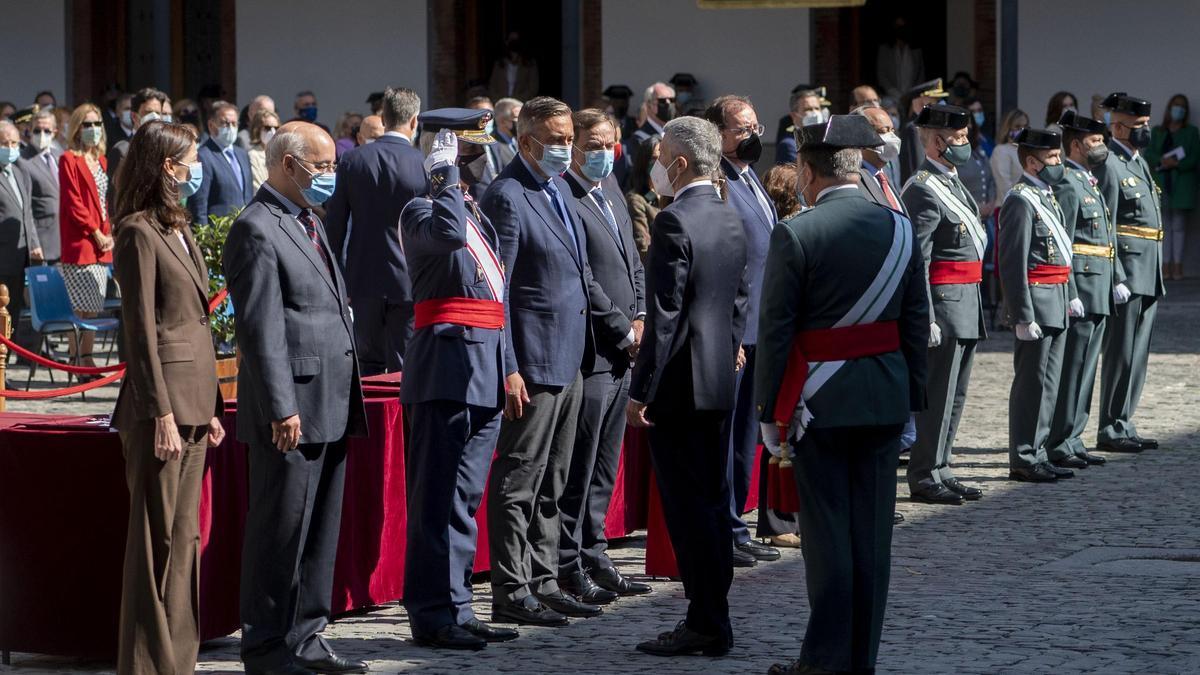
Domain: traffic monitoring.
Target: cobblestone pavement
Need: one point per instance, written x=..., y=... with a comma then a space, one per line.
x=1100, y=573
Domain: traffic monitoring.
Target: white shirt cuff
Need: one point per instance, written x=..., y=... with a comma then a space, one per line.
x=627, y=341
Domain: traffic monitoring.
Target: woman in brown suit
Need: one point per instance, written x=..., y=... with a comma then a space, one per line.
x=169, y=406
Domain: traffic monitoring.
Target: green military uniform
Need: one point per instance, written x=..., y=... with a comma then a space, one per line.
x=1094, y=272
x=846, y=263
x=1031, y=236
x=948, y=230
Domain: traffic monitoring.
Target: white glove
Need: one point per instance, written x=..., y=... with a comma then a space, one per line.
x=1028, y=332
x=1075, y=309
x=1121, y=294
x=935, y=335
x=444, y=151
x=770, y=437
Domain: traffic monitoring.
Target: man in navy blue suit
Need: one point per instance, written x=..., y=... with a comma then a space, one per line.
x=375, y=181
x=453, y=389
x=549, y=339
x=227, y=186
x=741, y=146
x=684, y=380
x=617, y=310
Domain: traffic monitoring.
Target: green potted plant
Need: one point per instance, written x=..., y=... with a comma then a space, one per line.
x=210, y=237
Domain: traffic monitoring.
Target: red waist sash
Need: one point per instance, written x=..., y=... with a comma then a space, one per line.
x=1049, y=274
x=830, y=344
x=943, y=272
x=471, y=312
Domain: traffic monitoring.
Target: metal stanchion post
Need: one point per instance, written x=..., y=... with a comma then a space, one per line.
x=6, y=331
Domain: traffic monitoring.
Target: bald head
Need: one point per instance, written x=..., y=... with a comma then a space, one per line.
x=299, y=151
x=865, y=95
x=370, y=129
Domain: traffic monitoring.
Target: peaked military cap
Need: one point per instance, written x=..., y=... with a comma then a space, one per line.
x=1076, y=122
x=841, y=131
x=1039, y=139
x=932, y=89
x=618, y=91
x=943, y=117
x=24, y=114
x=683, y=80
x=1124, y=103
x=469, y=124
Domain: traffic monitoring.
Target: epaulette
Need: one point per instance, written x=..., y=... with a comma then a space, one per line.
x=1017, y=187
x=791, y=129
x=921, y=176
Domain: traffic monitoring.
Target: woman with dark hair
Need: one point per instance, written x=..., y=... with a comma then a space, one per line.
x=1060, y=101
x=1172, y=154
x=642, y=199
x=169, y=407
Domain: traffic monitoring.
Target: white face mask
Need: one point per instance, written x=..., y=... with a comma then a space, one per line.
x=148, y=117
x=812, y=117
x=891, y=147
x=266, y=136
x=41, y=139
x=660, y=181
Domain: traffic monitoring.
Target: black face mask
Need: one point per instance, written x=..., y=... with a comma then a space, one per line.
x=665, y=111
x=1139, y=137
x=471, y=168
x=749, y=149
x=1096, y=155
x=619, y=109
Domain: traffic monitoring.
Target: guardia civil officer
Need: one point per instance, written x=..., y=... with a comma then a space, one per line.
x=844, y=316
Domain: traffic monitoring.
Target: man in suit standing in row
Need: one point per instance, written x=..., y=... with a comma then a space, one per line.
x=17, y=226
x=375, y=182
x=684, y=380
x=227, y=185
x=299, y=399
x=658, y=104
x=145, y=106
x=40, y=161
x=617, y=310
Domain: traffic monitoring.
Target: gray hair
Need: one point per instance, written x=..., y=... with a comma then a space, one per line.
x=697, y=140
x=285, y=143
x=537, y=110
x=44, y=115
x=797, y=96
x=504, y=108
x=399, y=105
x=6, y=123
x=842, y=163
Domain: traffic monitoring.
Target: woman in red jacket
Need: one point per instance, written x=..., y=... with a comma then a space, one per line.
x=83, y=219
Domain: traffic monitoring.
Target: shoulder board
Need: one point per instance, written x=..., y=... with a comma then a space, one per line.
x=791, y=129
x=1017, y=187
x=922, y=175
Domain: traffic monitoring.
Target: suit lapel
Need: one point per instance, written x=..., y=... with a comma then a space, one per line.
x=540, y=201
x=590, y=202
x=292, y=227
x=188, y=261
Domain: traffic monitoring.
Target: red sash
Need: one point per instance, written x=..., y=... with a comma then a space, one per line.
x=830, y=344
x=943, y=272
x=1049, y=274
x=471, y=312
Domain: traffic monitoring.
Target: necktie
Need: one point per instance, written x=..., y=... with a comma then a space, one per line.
x=12, y=183
x=561, y=208
x=309, y=222
x=237, y=168
x=598, y=195
x=887, y=189
x=51, y=166
x=762, y=199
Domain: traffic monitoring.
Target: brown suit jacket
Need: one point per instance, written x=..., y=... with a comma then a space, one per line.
x=171, y=365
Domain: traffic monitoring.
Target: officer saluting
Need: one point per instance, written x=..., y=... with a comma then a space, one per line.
x=453, y=387
x=1035, y=273
x=844, y=317
x=952, y=241
x=1094, y=273
x=1135, y=201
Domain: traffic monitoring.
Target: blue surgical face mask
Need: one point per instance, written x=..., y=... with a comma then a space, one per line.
x=9, y=155
x=555, y=158
x=978, y=114
x=1178, y=112
x=1107, y=117
x=309, y=114
x=168, y=119
x=188, y=187
x=320, y=189
x=226, y=136
x=597, y=164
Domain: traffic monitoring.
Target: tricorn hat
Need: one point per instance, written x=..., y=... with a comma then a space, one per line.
x=1039, y=139
x=840, y=131
x=1124, y=103
x=943, y=117
x=1074, y=121
x=618, y=91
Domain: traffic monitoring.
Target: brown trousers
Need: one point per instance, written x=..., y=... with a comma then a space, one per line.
x=160, y=628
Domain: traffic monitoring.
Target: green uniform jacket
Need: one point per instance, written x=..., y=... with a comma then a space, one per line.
x=1183, y=176
x=820, y=263
x=1086, y=219
x=1133, y=199
x=956, y=308
x=1025, y=241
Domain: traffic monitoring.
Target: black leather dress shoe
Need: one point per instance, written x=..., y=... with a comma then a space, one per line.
x=489, y=633
x=759, y=551
x=968, y=493
x=1146, y=443
x=568, y=606
x=743, y=559
x=936, y=494
x=1120, y=445
x=528, y=612
x=332, y=663
x=1092, y=460
x=580, y=585
x=897, y=518
x=1071, y=462
x=797, y=668
x=289, y=669
x=452, y=637
x=611, y=579
x=1037, y=473
x=1058, y=471
x=683, y=641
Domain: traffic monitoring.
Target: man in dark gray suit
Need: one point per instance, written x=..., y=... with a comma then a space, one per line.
x=40, y=161
x=145, y=106
x=19, y=243
x=874, y=180
x=584, y=568
x=299, y=398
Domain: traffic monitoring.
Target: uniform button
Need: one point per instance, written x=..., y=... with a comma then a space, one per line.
x=349, y=352
x=204, y=321
x=582, y=311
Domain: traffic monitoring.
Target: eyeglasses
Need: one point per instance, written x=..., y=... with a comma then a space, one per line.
x=323, y=167
x=747, y=130
x=266, y=128
x=667, y=99
x=91, y=125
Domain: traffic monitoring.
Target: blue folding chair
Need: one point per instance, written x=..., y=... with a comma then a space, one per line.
x=50, y=313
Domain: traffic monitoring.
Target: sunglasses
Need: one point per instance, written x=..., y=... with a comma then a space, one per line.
x=91, y=125
x=266, y=128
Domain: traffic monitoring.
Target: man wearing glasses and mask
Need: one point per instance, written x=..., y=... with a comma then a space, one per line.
x=658, y=104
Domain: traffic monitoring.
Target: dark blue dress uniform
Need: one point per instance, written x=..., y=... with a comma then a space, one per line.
x=453, y=391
